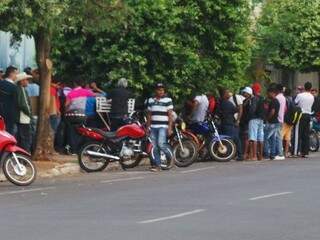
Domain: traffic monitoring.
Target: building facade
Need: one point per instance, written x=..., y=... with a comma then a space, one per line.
x=19, y=55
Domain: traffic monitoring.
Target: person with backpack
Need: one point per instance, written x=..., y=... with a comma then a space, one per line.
x=247, y=93
x=256, y=126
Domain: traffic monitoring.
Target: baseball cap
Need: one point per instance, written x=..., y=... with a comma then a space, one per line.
x=247, y=90
x=159, y=85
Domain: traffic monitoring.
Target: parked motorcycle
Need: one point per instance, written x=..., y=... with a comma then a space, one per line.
x=220, y=148
x=314, y=136
x=15, y=161
x=128, y=146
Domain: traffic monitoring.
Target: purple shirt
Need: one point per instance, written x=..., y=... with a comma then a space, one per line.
x=282, y=109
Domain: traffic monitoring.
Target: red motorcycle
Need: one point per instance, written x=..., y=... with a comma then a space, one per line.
x=15, y=161
x=128, y=146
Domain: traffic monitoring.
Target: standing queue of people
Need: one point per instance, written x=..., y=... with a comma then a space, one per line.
x=261, y=127
x=273, y=127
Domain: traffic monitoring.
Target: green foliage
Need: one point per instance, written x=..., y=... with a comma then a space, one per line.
x=189, y=45
x=288, y=34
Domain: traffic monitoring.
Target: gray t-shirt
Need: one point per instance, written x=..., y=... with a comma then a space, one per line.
x=199, y=114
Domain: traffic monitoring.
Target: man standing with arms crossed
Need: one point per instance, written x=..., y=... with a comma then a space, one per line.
x=159, y=121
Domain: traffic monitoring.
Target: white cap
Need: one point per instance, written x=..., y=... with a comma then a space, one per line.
x=247, y=90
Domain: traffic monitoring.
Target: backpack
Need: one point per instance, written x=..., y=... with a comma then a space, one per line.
x=293, y=113
x=257, y=108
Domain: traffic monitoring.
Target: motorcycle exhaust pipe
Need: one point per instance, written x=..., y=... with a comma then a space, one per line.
x=104, y=155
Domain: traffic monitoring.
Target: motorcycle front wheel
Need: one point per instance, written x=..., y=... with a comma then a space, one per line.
x=222, y=152
x=166, y=163
x=92, y=163
x=21, y=173
x=186, y=155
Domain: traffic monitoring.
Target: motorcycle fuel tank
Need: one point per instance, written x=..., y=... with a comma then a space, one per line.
x=131, y=131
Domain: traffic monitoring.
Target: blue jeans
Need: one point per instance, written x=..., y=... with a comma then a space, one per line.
x=270, y=139
x=54, y=122
x=160, y=143
x=279, y=149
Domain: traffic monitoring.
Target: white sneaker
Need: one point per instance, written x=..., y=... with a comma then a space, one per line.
x=279, y=158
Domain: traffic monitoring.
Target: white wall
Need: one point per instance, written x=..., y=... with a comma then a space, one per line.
x=21, y=55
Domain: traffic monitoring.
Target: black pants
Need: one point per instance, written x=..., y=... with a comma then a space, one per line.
x=304, y=132
x=300, y=140
x=73, y=138
x=24, y=136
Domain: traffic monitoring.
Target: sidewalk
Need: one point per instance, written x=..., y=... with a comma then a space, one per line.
x=62, y=165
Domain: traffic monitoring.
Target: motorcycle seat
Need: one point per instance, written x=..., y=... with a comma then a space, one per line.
x=104, y=133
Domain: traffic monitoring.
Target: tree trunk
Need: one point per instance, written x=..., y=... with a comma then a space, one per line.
x=44, y=140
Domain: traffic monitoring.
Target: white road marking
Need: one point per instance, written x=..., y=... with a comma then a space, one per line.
x=173, y=216
x=122, y=179
x=270, y=196
x=26, y=191
x=197, y=170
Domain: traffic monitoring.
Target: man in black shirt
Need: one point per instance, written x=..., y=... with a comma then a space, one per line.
x=119, y=110
x=272, y=124
x=226, y=111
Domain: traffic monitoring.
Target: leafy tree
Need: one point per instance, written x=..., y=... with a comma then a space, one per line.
x=44, y=19
x=189, y=45
x=288, y=34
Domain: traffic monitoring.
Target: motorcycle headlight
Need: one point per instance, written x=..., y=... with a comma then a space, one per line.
x=183, y=126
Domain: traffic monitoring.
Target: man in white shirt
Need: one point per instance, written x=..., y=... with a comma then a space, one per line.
x=200, y=106
x=237, y=100
x=305, y=101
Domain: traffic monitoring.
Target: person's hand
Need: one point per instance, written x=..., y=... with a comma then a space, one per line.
x=148, y=131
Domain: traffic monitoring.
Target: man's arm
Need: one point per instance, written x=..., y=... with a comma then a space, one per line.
x=170, y=124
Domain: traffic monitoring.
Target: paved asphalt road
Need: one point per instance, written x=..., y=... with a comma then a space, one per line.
x=230, y=201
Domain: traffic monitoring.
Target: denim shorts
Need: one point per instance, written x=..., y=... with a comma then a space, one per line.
x=256, y=131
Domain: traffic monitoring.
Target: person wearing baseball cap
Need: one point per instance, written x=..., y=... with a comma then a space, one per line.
x=247, y=93
x=159, y=121
x=24, y=135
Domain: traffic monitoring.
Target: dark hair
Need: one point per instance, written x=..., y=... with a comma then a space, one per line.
x=287, y=92
x=10, y=70
x=222, y=91
x=79, y=81
x=272, y=89
x=55, y=79
x=28, y=70
x=279, y=87
x=307, y=86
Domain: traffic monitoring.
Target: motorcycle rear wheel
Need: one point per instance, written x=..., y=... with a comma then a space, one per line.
x=314, y=141
x=188, y=156
x=132, y=162
x=10, y=170
x=91, y=163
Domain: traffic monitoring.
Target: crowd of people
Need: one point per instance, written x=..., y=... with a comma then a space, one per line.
x=19, y=105
x=274, y=126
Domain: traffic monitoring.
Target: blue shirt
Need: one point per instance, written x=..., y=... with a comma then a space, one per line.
x=33, y=90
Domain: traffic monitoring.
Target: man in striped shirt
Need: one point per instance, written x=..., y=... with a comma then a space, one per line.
x=160, y=122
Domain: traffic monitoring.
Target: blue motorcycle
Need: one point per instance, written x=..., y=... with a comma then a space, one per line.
x=220, y=148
